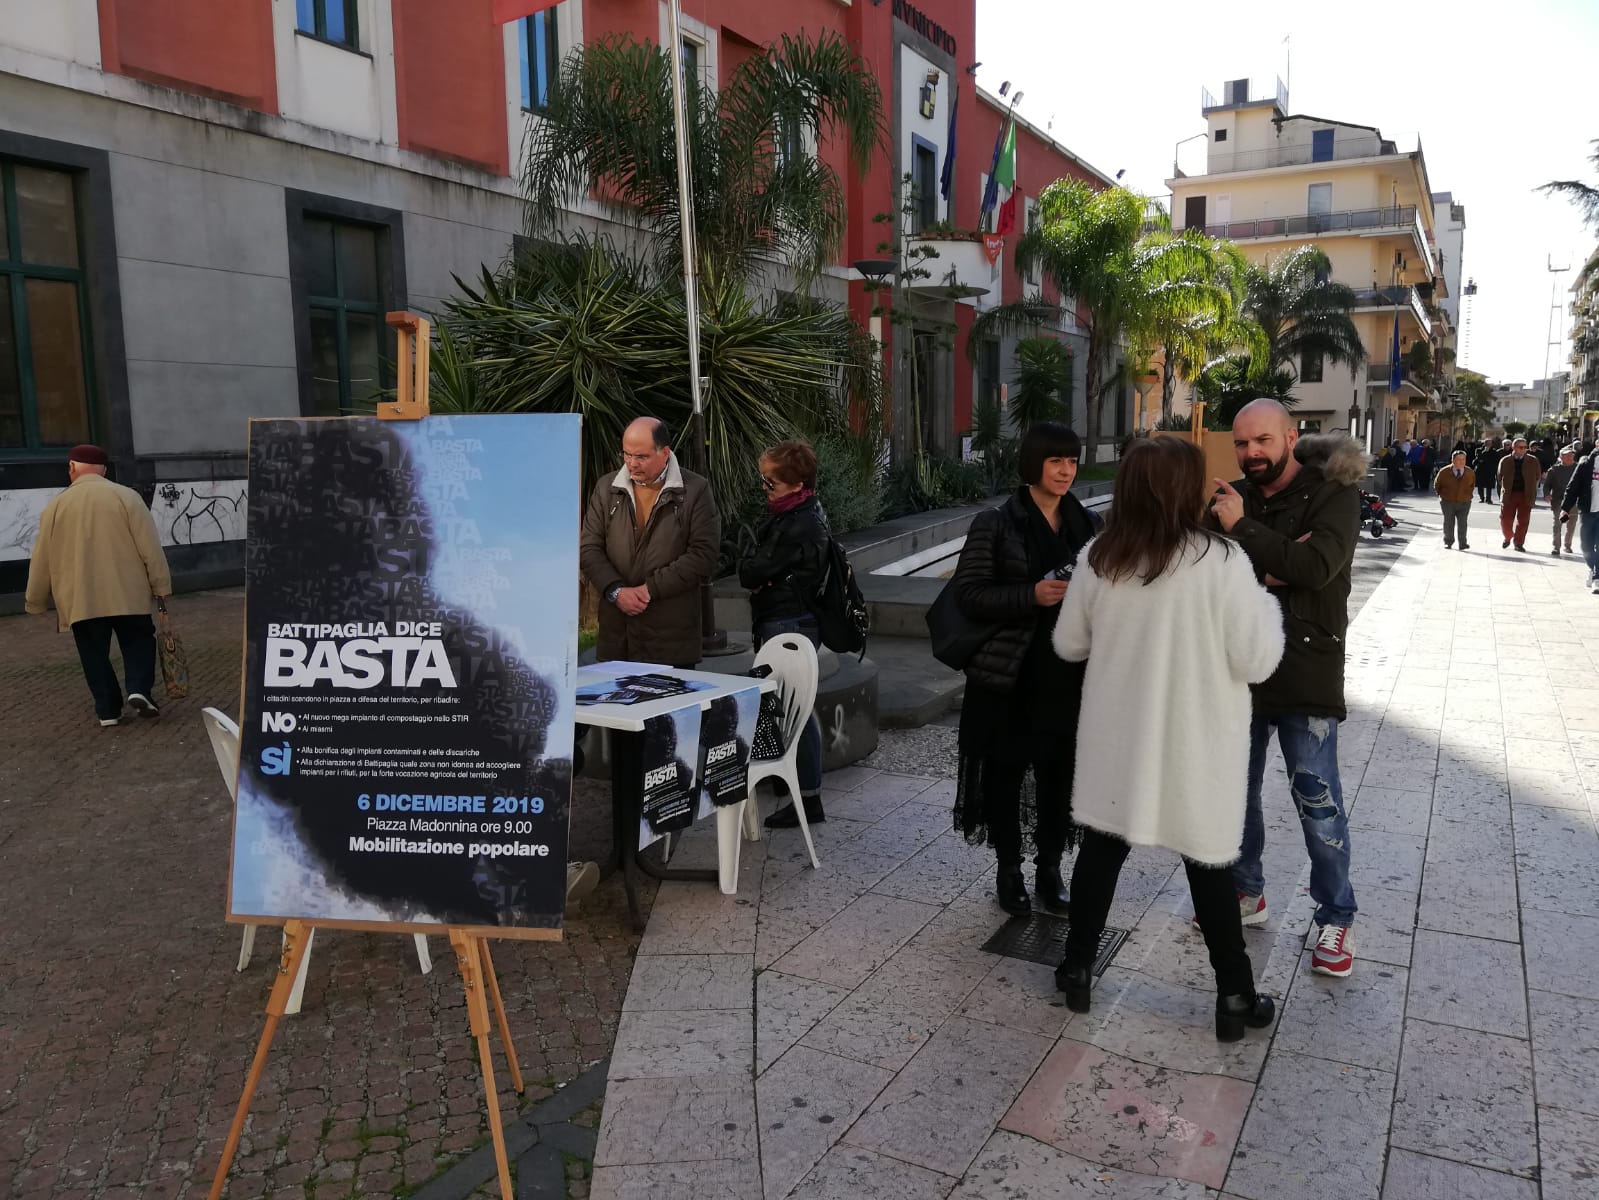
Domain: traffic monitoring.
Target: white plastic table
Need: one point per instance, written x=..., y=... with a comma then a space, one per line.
x=626, y=723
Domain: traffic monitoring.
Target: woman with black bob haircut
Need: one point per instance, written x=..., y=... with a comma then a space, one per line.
x=1018, y=725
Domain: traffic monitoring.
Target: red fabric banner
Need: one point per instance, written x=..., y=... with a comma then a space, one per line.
x=1007, y=215
x=992, y=245
x=515, y=10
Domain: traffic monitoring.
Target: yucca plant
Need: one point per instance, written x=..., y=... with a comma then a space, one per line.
x=583, y=327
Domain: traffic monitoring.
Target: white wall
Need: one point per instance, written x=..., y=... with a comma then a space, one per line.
x=913, y=71
x=334, y=88
x=65, y=29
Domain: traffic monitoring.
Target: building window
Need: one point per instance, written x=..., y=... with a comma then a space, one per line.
x=329, y=21
x=924, y=187
x=344, y=300
x=1310, y=367
x=691, y=63
x=1035, y=276
x=789, y=141
x=540, y=49
x=988, y=381
x=44, y=315
x=1221, y=135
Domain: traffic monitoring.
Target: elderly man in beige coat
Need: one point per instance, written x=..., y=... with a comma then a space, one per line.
x=99, y=555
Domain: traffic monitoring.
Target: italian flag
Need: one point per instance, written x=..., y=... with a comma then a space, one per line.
x=1005, y=178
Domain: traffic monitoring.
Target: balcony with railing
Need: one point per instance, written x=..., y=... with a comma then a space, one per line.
x=1355, y=220
x=1380, y=375
x=1222, y=160
x=1403, y=296
x=1236, y=93
x=1365, y=222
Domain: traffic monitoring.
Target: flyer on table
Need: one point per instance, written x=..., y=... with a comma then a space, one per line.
x=410, y=651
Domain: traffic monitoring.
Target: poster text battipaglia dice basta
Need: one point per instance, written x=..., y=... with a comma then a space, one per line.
x=410, y=642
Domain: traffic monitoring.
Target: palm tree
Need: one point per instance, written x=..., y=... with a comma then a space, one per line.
x=1301, y=312
x=1188, y=340
x=1227, y=385
x=1092, y=245
x=760, y=197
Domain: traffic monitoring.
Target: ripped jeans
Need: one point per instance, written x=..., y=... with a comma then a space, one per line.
x=1310, y=754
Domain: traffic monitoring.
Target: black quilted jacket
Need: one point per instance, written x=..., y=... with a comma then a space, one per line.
x=993, y=582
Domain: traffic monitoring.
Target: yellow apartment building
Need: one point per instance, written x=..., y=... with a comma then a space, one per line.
x=1275, y=180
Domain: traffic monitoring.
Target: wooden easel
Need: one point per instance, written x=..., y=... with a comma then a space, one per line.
x=482, y=989
x=471, y=949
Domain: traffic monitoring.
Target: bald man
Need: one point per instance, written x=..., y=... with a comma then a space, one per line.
x=1296, y=513
x=651, y=535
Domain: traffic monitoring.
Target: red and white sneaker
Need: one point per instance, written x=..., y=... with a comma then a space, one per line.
x=1251, y=910
x=1335, y=952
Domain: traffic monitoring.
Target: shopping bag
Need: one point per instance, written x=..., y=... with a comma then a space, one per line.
x=174, y=659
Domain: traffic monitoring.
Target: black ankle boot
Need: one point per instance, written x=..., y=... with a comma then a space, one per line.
x=1051, y=889
x=1076, y=982
x=1011, y=889
x=787, y=818
x=1234, y=1012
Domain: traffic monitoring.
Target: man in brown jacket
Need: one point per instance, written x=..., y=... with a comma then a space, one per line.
x=651, y=535
x=1518, y=492
x=1454, y=485
x=99, y=555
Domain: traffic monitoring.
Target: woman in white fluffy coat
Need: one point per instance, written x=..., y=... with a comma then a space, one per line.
x=1175, y=628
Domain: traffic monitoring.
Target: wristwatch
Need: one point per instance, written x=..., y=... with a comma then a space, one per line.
x=610, y=593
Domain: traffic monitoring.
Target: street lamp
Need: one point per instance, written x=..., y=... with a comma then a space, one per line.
x=1180, y=145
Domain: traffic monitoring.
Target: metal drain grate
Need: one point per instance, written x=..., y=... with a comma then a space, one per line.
x=1042, y=939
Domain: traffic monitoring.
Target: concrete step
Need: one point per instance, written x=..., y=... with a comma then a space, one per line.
x=913, y=687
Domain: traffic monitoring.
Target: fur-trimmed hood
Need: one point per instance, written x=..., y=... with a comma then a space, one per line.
x=1338, y=457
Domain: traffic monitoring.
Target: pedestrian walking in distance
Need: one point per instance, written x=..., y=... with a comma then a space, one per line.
x=1454, y=486
x=1018, y=723
x=1518, y=492
x=1555, y=482
x=1296, y=513
x=782, y=573
x=1174, y=628
x=99, y=557
x=651, y=535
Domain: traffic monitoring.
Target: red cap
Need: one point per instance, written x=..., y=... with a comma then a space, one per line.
x=88, y=454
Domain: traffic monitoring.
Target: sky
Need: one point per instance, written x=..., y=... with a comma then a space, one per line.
x=1495, y=91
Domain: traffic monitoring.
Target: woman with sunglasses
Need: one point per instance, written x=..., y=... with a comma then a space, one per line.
x=1174, y=628
x=785, y=567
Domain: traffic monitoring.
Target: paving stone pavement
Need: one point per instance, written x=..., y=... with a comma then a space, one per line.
x=873, y=1051
x=125, y=1032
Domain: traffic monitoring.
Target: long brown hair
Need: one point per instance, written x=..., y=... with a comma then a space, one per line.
x=1157, y=509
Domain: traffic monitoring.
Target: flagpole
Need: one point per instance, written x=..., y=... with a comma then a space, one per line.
x=711, y=637
x=685, y=207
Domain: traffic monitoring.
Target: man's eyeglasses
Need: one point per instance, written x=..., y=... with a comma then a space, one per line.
x=639, y=459
x=769, y=485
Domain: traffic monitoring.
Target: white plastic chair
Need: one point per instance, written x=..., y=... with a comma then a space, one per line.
x=793, y=662
x=224, y=736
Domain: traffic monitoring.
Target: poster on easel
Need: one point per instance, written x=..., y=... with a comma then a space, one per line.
x=410, y=657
